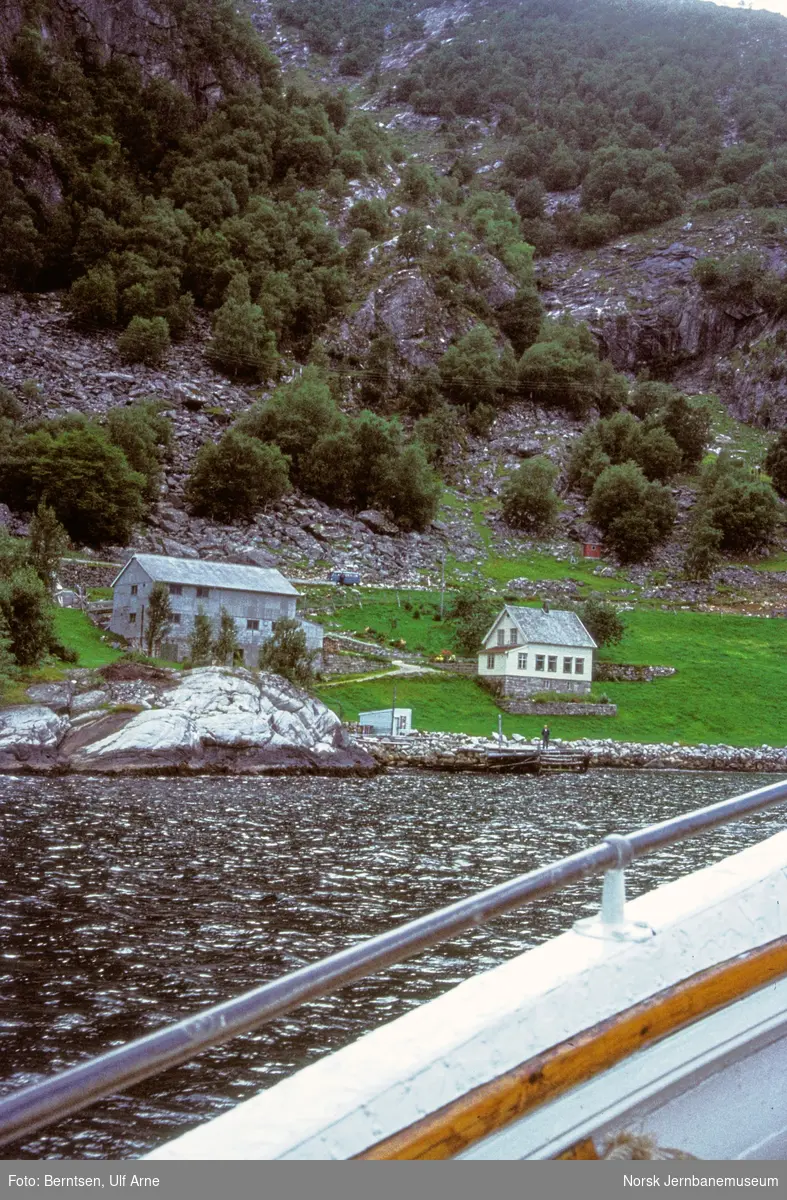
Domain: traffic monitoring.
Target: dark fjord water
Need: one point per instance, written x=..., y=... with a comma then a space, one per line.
x=126, y=904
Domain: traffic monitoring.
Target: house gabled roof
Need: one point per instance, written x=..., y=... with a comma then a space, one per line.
x=198, y=573
x=556, y=628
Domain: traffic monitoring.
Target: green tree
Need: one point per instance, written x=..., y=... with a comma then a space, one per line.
x=233, y=479
x=411, y=244
x=633, y=514
x=48, y=544
x=242, y=344
x=470, y=370
x=7, y=662
x=472, y=613
x=158, y=616
x=143, y=434
x=201, y=639
x=93, y=298
x=520, y=318
x=27, y=612
x=226, y=644
x=703, y=550
x=602, y=621
x=295, y=417
x=529, y=499
x=89, y=484
x=286, y=653
x=745, y=511
x=776, y=463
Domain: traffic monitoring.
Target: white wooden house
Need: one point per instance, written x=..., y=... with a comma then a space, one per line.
x=254, y=597
x=532, y=650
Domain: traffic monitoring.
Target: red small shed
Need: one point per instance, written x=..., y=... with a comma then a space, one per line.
x=591, y=550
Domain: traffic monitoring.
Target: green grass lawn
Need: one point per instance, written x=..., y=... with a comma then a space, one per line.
x=729, y=688
x=380, y=611
x=77, y=631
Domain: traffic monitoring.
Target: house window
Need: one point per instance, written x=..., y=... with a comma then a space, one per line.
x=203, y=593
x=512, y=636
x=521, y=662
x=552, y=663
x=539, y=662
x=566, y=666
x=501, y=637
x=490, y=662
x=253, y=625
x=176, y=618
x=132, y=618
x=175, y=589
x=133, y=589
x=579, y=666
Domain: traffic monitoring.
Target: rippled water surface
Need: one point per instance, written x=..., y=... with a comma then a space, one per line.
x=127, y=904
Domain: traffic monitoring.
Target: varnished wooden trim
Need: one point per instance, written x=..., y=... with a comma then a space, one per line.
x=492, y=1106
x=585, y=1149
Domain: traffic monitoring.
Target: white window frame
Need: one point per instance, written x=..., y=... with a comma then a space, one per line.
x=579, y=666
x=567, y=665
x=490, y=662
x=552, y=664
x=522, y=662
x=540, y=662
x=501, y=637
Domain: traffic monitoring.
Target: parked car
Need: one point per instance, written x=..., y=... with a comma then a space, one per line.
x=345, y=577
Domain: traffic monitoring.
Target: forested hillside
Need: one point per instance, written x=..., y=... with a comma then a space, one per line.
x=429, y=232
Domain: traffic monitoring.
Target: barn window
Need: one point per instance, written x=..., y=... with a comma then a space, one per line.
x=566, y=666
x=539, y=662
x=552, y=664
x=490, y=662
x=175, y=589
x=133, y=589
x=132, y=618
x=203, y=593
x=176, y=618
x=521, y=662
x=579, y=666
x=253, y=625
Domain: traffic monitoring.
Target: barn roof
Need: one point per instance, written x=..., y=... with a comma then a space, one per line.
x=198, y=573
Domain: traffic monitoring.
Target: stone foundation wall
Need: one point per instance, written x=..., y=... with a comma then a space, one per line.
x=514, y=685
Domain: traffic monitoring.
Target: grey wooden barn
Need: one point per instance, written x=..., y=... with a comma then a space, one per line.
x=254, y=596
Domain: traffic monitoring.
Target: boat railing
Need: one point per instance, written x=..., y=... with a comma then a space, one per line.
x=29, y=1109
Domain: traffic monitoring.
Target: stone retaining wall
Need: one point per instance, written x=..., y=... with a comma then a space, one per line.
x=353, y=664
x=530, y=708
x=433, y=749
x=628, y=673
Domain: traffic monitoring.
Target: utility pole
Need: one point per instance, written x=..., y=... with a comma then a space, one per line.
x=393, y=712
x=500, y=730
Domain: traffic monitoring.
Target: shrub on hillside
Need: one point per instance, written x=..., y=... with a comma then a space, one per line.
x=776, y=463
x=529, y=499
x=146, y=340
x=93, y=299
x=234, y=479
x=602, y=621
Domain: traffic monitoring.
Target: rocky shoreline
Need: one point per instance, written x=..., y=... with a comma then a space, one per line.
x=151, y=721
x=441, y=751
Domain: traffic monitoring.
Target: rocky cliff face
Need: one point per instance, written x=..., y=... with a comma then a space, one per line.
x=640, y=299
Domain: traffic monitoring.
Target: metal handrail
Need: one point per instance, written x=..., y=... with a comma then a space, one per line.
x=27, y=1110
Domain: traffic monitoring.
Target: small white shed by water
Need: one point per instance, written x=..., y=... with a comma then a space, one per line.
x=391, y=722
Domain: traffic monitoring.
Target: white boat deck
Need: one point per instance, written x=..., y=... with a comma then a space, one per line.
x=398, y=1074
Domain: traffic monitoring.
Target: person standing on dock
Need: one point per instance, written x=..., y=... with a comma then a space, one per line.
x=545, y=738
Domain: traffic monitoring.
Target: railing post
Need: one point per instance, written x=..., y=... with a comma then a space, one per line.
x=611, y=921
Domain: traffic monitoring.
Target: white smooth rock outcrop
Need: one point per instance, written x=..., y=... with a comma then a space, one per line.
x=30, y=736
x=221, y=719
